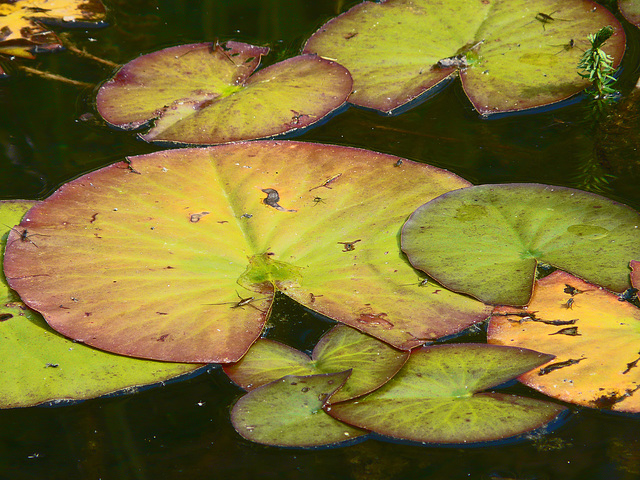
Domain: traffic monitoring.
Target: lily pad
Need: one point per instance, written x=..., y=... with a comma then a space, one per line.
x=487, y=240
x=160, y=257
x=630, y=9
x=435, y=398
x=635, y=273
x=22, y=30
x=288, y=413
x=208, y=93
x=372, y=362
x=511, y=54
x=39, y=365
x=594, y=336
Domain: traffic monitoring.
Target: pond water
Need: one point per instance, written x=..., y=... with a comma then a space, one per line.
x=182, y=430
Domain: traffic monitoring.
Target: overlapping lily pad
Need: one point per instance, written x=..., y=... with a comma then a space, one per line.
x=372, y=362
x=176, y=254
x=594, y=336
x=511, y=54
x=501, y=232
x=288, y=413
x=208, y=93
x=39, y=365
x=22, y=30
x=436, y=397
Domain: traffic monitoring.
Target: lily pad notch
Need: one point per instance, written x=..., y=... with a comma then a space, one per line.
x=211, y=93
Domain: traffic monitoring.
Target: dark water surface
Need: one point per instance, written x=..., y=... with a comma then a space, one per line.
x=182, y=430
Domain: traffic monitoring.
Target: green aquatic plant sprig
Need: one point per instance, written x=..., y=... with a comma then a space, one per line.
x=596, y=65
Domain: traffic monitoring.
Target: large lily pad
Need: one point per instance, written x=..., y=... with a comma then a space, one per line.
x=436, y=397
x=372, y=362
x=160, y=257
x=39, y=365
x=511, y=54
x=208, y=93
x=288, y=413
x=487, y=240
x=594, y=336
x=21, y=23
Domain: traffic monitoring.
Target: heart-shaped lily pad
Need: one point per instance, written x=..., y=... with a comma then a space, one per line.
x=39, y=365
x=594, y=336
x=288, y=413
x=372, y=362
x=206, y=94
x=511, y=54
x=435, y=397
x=176, y=254
x=487, y=240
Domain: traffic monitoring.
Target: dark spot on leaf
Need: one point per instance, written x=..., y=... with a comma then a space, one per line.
x=195, y=217
x=163, y=337
x=5, y=316
x=376, y=320
x=572, y=331
x=558, y=365
x=304, y=389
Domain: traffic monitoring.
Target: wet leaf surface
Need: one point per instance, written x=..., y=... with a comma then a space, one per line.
x=503, y=231
x=594, y=336
x=288, y=413
x=40, y=365
x=436, y=397
x=22, y=23
x=372, y=362
x=208, y=93
x=176, y=254
x=511, y=55
x=630, y=9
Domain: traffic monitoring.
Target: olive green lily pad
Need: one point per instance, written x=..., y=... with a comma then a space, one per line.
x=39, y=365
x=435, y=398
x=630, y=9
x=511, y=54
x=288, y=413
x=371, y=361
x=486, y=240
x=208, y=94
x=176, y=254
x=593, y=334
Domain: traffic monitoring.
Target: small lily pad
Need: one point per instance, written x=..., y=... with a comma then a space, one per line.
x=510, y=54
x=436, y=397
x=39, y=365
x=487, y=240
x=288, y=413
x=342, y=348
x=208, y=93
x=22, y=30
x=176, y=255
x=630, y=9
x=594, y=336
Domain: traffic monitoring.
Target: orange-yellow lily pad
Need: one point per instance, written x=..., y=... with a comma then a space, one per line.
x=22, y=30
x=176, y=254
x=593, y=334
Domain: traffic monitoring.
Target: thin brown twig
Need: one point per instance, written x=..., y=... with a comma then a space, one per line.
x=53, y=76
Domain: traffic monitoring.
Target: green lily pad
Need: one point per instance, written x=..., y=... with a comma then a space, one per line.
x=176, y=255
x=207, y=94
x=594, y=336
x=511, y=54
x=435, y=397
x=630, y=9
x=487, y=240
x=372, y=362
x=288, y=413
x=39, y=365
